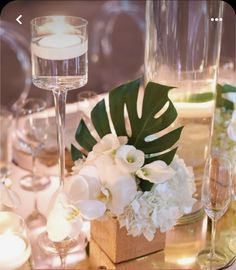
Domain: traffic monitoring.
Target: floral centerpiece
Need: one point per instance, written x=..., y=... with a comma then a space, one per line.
x=127, y=167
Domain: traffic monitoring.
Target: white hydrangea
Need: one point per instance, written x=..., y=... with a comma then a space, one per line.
x=163, y=205
x=223, y=134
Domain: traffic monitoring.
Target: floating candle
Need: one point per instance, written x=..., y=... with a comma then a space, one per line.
x=60, y=46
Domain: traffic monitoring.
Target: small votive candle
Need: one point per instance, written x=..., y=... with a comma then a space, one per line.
x=15, y=247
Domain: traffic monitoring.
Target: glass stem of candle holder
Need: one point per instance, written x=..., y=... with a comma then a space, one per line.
x=60, y=107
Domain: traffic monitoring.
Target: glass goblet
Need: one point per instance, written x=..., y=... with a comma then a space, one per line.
x=216, y=197
x=31, y=133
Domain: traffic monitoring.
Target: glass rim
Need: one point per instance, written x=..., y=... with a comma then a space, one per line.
x=14, y=215
x=83, y=24
x=43, y=105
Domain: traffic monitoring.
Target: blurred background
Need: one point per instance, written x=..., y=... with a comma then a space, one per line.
x=116, y=44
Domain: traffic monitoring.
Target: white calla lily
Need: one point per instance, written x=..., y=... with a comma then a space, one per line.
x=129, y=159
x=109, y=143
x=156, y=172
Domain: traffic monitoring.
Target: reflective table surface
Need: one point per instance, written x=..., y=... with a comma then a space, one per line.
x=183, y=242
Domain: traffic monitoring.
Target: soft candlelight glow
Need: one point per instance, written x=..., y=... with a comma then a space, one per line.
x=186, y=261
x=15, y=249
x=14, y=252
x=61, y=42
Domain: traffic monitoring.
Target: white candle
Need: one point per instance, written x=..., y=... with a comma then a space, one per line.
x=195, y=110
x=60, y=46
x=14, y=251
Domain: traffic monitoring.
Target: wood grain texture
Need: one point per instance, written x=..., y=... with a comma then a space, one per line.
x=119, y=246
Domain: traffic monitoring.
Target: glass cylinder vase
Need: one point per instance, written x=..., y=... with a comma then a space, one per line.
x=182, y=50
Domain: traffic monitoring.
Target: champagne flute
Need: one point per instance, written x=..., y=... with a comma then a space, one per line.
x=59, y=63
x=31, y=133
x=216, y=197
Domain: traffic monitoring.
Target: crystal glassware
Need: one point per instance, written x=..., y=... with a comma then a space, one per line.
x=59, y=47
x=216, y=197
x=182, y=50
x=14, y=242
x=5, y=140
x=31, y=133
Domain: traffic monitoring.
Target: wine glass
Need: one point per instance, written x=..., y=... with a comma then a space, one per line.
x=31, y=133
x=216, y=197
x=232, y=242
x=59, y=47
x=5, y=142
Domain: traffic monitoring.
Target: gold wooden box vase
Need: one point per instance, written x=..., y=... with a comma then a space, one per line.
x=119, y=246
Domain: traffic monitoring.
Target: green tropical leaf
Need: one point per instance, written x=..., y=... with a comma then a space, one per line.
x=158, y=113
x=76, y=153
x=220, y=100
x=84, y=137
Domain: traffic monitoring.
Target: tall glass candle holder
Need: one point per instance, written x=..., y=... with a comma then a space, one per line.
x=59, y=47
x=182, y=50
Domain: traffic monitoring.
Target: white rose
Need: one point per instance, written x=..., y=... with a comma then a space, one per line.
x=129, y=159
x=109, y=143
x=156, y=172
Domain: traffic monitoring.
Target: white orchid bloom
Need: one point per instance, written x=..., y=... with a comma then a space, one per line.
x=122, y=191
x=231, y=130
x=109, y=185
x=156, y=172
x=8, y=197
x=129, y=159
x=109, y=143
x=65, y=219
x=60, y=225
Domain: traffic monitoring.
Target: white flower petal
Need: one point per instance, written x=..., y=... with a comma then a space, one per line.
x=76, y=188
x=129, y=159
x=123, y=190
x=75, y=227
x=91, y=209
x=108, y=144
x=156, y=172
x=58, y=228
x=90, y=173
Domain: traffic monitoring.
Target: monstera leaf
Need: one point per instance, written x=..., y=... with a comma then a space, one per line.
x=158, y=113
x=221, y=101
